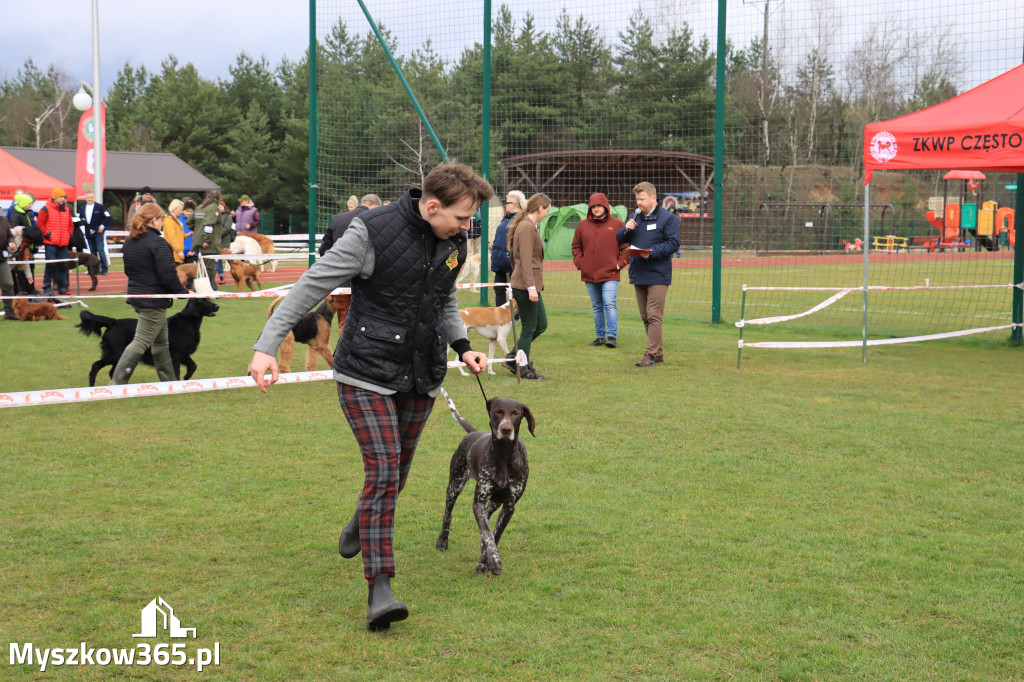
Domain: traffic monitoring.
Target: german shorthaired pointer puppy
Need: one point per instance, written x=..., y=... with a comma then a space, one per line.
x=497, y=460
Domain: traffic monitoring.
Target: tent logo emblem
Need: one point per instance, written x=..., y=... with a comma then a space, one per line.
x=883, y=147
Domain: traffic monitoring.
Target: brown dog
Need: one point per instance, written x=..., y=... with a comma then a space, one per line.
x=497, y=460
x=267, y=245
x=187, y=271
x=243, y=273
x=314, y=330
x=30, y=312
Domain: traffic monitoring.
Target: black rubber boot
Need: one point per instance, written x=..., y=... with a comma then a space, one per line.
x=163, y=365
x=165, y=371
x=369, y=600
x=125, y=367
x=349, y=544
x=384, y=610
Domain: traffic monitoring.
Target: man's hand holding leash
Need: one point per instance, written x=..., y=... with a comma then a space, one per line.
x=261, y=363
x=475, y=361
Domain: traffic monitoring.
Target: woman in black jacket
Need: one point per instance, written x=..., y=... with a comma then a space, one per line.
x=149, y=263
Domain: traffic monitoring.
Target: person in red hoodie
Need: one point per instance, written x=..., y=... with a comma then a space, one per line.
x=55, y=222
x=599, y=257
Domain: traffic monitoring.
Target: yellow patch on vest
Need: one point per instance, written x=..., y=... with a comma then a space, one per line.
x=453, y=260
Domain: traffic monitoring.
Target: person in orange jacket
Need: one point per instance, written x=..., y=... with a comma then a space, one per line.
x=56, y=223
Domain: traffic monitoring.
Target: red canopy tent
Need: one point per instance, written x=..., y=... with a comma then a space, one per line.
x=982, y=128
x=17, y=175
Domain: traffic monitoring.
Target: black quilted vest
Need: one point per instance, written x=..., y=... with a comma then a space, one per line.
x=394, y=336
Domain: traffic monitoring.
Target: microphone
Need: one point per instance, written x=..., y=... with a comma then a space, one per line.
x=636, y=214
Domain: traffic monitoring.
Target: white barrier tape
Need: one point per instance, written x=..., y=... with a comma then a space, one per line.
x=265, y=293
x=41, y=260
x=919, y=287
x=62, y=396
x=471, y=285
x=872, y=342
x=255, y=256
x=785, y=318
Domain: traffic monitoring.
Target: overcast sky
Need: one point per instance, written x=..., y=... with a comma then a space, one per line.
x=211, y=33
x=207, y=33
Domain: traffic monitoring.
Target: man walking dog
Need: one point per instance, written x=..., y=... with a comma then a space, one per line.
x=402, y=260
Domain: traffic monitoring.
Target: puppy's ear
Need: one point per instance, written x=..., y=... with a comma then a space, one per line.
x=529, y=419
x=488, y=405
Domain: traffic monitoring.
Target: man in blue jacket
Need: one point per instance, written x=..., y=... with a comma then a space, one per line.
x=96, y=219
x=653, y=235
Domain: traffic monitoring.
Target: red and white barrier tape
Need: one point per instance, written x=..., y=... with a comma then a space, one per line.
x=872, y=342
x=60, y=396
x=265, y=293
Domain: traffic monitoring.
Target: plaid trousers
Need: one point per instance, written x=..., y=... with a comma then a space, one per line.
x=387, y=428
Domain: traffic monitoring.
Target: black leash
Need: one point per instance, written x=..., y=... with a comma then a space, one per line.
x=480, y=384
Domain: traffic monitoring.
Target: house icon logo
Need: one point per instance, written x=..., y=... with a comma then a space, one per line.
x=151, y=620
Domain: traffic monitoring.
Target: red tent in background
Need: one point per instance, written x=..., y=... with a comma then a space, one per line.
x=17, y=175
x=982, y=128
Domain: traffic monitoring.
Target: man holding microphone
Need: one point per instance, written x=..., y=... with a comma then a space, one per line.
x=653, y=235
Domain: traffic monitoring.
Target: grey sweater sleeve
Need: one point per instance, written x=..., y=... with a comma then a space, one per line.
x=349, y=257
x=451, y=320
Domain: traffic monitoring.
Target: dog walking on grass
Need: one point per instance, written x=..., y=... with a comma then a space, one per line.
x=496, y=459
x=494, y=324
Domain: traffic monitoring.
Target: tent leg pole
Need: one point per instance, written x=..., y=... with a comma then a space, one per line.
x=867, y=242
x=743, y=308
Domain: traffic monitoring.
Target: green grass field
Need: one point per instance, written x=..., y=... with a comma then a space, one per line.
x=806, y=517
x=891, y=313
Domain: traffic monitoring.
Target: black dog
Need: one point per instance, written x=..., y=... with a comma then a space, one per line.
x=497, y=460
x=182, y=336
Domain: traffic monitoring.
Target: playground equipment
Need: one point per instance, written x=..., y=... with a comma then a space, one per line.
x=817, y=236
x=958, y=219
